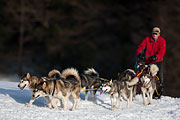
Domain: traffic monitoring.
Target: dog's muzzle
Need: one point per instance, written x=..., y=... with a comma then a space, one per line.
x=36, y=96
x=22, y=87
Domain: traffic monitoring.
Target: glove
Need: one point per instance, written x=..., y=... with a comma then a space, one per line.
x=153, y=58
x=140, y=56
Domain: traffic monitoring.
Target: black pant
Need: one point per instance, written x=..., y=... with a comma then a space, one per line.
x=159, y=85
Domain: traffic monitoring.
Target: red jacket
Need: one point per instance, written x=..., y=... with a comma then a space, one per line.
x=157, y=48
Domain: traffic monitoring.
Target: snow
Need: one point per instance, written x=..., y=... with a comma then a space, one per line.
x=13, y=107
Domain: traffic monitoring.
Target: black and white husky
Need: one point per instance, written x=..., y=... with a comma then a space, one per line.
x=120, y=89
x=129, y=75
x=90, y=81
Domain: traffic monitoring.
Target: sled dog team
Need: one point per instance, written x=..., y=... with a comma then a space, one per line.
x=67, y=85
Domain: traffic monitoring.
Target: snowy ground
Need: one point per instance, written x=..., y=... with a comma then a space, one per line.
x=13, y=100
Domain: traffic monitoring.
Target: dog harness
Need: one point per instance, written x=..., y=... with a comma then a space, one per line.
x=54, y=81
x=30, y=80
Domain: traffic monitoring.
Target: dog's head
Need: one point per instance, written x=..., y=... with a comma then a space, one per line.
x=142, y=66
x=145, y=79
x=25, y=81
x=40, y=90
x=106, y=86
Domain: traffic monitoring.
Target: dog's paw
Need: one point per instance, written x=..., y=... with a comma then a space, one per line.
x=118, y=107
x=112, y=108
x=28, y=105
x=149, y=103
x=50, y=106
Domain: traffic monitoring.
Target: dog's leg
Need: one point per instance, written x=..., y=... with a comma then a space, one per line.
x=128, y=103
x=77, y=104
x=112, y=102
x=86, y=95
x=131, y=95
x=143, y=94
x=151, y=95
x=48, y=101
x=120, y=104
x=65, y=103
x=54, y=102
x=93, y=93
x=76, y=99
x=31, y=101
x=134, y=92
x=127, y=97
x=117, y=100
x=73, y=99
x=148, y=96
x=61, y=103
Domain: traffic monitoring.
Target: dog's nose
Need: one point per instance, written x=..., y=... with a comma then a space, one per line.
x=33, y=95
x=18, y=85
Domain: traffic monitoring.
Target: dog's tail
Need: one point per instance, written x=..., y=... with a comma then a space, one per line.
x=70, y=73
x=134, y=81
x=154, y=69
x=54, y=74
x=132, y=71
x=92, y=72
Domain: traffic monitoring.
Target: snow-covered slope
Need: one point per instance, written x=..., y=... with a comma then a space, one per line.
x=13, y=107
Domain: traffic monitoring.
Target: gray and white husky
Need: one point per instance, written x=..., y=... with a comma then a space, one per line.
x=148, y=84
x=129, y=75
x=90, y=81
x=65, y=88
x=120, y=89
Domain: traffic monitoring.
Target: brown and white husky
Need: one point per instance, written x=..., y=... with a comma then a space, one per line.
x=31, y=81
x=65, y=88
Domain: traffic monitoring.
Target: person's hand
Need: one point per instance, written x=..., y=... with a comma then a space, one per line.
x=153, y=58
x=140, y=56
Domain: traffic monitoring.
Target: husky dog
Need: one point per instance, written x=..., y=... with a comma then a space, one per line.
x=63, y=88
x=119, y=89
x=129, y=75
x=31, y=81
x=90, y=81
x=148, y=84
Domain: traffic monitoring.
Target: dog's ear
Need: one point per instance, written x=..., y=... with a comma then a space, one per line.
x=110, y=82
x=43, y=79
x=43, y=84
x=127, y=77
x=28, y=75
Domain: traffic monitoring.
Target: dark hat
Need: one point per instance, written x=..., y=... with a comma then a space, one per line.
x=156, y=30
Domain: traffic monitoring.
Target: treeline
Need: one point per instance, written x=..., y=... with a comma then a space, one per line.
x=39, y=35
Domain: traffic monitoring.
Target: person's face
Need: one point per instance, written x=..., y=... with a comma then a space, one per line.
x=155, y=35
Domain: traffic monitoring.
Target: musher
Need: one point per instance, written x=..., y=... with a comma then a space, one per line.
x=152, y=50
